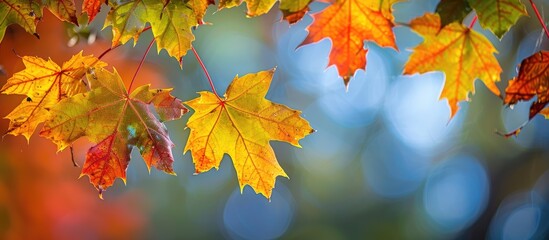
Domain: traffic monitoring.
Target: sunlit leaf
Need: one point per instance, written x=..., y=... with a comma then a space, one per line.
x=461, y=53
x=199, y=7
x=116, y=121
x=255, y=7
x=127, y=21
x=241, y=125
x=44, y=83
x=532, y=81
x=348, y=23
x=92, y=8
x=171, y=23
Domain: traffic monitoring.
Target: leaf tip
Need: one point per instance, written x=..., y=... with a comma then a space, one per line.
x=346, y=80
x=74, y=20
x=27, y=136
x=101, y=194
x=510, y=134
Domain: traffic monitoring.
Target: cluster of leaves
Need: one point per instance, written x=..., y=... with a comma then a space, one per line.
x=81, y=97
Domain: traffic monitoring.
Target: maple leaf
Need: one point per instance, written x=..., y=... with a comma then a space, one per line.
x=171, y=23
x=45, y=84
x=348, y=23
x=461, y=53
x=199, y=7
x=117, y=121
x=533, y=80
x=255, y=7
x=453, y=11
x=25, y=14
x=127, y=21
x=294, y=10
x=241, y=125
x=92, y=8
x=63, y=9
x=498, y=15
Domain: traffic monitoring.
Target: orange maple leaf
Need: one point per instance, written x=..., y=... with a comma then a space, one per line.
x=461, y=53
x=533, y=80
x=92, y=8
x=241, y=125
x=348, y=23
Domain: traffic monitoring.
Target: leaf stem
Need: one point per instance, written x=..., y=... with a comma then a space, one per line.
x=112, y=48
x=207, y=74
x=107, y=51
x=140, y=64
x=72, y=157
x=540, y=18
x=472, y=24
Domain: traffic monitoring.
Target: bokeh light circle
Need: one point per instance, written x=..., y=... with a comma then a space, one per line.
x=251, y=216
x=522, y=223
x=417, y=116
x=357, y=106
x=393, y=173
x=456, y=193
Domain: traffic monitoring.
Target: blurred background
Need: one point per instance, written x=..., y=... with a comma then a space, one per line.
x=385, y=162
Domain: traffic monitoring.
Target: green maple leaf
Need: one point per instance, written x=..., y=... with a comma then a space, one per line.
x=496, y=15
x=171, y=22
x=453, y=11
x=294, y=10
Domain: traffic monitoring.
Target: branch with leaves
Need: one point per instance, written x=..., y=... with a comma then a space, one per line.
x=81, y=97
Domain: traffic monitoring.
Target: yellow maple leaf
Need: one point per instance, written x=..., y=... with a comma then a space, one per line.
x=199, y=8
x=241, y=125
x=45, y=84
x=293, y=10
x=461, y=53
x=255, y=7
